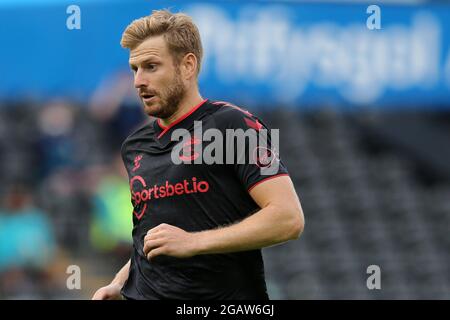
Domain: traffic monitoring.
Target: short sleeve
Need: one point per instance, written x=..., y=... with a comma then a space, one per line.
x=254, y=148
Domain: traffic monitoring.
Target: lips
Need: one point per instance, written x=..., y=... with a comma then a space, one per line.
x=146, y=97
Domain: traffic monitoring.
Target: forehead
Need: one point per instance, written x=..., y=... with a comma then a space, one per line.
x=151, y=47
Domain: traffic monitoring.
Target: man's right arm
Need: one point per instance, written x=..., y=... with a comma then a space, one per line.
x=112, y=291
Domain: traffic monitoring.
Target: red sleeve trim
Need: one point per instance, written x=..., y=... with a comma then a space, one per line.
x=265, y=179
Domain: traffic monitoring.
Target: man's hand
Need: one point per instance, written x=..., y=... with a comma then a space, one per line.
x=169, y=240
x=280, y=219
x=109, y=292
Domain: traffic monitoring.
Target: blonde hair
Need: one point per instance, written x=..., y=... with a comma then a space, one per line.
x=179, y=31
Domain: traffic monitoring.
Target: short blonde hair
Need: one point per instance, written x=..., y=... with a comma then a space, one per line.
x=179, y=31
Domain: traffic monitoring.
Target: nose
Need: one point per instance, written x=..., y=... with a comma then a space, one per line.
x=139, y=79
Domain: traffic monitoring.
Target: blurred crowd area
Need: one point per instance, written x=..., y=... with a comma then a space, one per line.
x=64, y=191
x=367, y=199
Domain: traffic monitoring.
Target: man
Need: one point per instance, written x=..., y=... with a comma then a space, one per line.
x=198, y=228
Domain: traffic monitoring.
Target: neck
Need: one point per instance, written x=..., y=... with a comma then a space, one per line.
x=186, y=104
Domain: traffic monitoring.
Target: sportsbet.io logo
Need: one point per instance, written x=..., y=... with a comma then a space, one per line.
x=141, y=194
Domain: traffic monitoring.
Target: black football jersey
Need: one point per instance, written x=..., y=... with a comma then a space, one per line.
x=194, y=197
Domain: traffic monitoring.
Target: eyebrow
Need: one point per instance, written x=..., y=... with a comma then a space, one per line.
x=153, y=60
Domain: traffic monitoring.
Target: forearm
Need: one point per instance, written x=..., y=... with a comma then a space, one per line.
x=268, y=226
x=122, y=275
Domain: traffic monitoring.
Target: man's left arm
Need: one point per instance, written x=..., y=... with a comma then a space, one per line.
x=280, y=219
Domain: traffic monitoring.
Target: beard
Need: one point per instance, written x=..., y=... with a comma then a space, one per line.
x=169, y=99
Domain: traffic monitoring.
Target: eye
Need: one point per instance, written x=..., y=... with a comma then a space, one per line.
x=151, y=66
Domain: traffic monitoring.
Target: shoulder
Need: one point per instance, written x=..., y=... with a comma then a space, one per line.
x=229, y=115
x=144, y=129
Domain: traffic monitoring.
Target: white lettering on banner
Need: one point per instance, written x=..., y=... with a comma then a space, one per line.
x=264, y=47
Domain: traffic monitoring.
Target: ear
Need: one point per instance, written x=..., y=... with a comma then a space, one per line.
x=189, y=66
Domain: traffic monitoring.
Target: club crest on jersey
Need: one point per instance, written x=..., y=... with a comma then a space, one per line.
x=264, y=157
x=189, y=151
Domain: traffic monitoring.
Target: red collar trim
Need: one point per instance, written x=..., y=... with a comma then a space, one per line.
x=167, y=128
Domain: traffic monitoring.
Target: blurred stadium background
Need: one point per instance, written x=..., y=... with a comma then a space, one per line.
x=363, y=117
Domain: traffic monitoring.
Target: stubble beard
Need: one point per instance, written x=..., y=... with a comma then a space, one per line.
x=169, y=99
